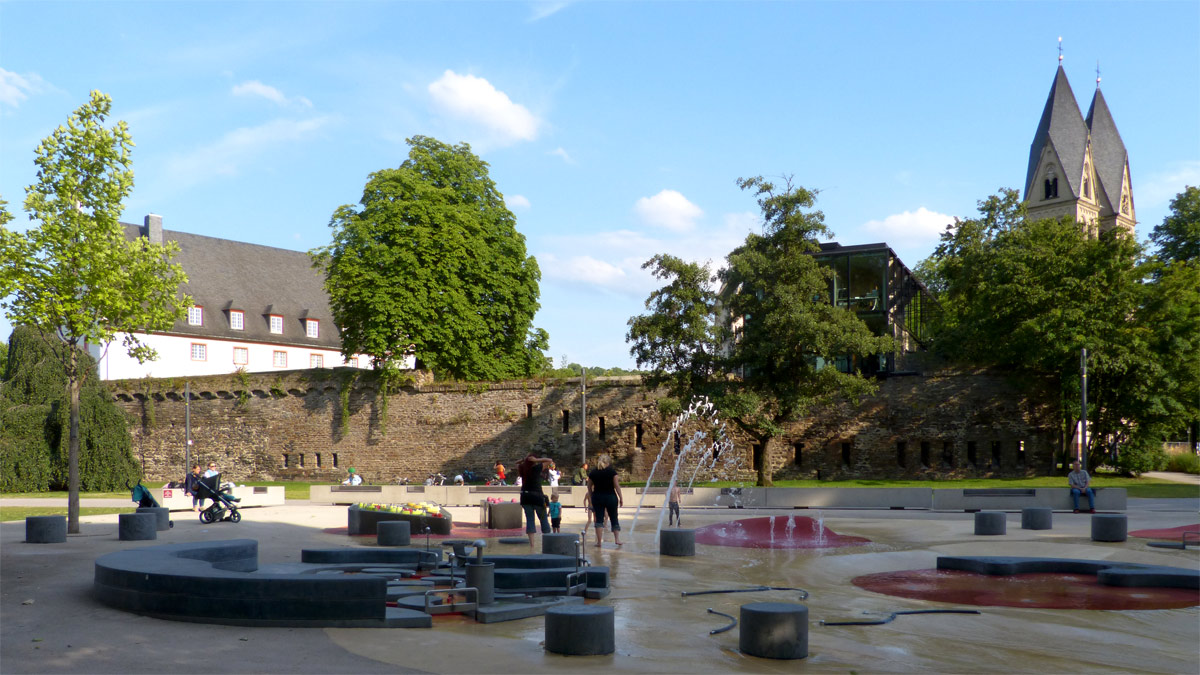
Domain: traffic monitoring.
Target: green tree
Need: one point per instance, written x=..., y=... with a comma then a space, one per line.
x=75, y=278
x=430, y=263
x=1178, y=236
x=789, y=327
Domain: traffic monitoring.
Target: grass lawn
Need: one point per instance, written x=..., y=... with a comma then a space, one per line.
x=9, y=513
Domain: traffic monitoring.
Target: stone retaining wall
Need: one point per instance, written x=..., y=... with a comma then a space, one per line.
x=290, y=426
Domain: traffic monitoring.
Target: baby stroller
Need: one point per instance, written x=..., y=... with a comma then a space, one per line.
x=224, y=506
x=141, y=495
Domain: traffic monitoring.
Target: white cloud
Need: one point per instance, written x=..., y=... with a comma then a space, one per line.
x=14, y=88
x=1161, y=187
x=227, y=155
x=256, y=88
x=910, y=228
x=560, y=152
x=542, y=10
x=474, y=100
x=668, y=209
x=517, y=202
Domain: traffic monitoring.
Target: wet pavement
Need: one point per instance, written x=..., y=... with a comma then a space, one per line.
x=63, y=629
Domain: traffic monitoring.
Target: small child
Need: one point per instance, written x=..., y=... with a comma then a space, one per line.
x=555, y=512
x=673, y=504
x=587, y=508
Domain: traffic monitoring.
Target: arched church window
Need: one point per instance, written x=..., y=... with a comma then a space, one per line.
x=1051, y=184
x=1125, y=204
x=1087, y=189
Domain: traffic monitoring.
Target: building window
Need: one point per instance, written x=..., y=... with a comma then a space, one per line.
x=528, y=410
x=301, y=458
x=797, y=458
x=312, y=328
x=972, y=458
x=925, y=454
x=237, y=319
x=287, y=461
x=241, y=356
x=948, y=455
x=601, y=424
x=901, y=454
x=845, y=455
x=279, y=359
x=676, y=433
x=335, y=460
x=316, y=361
x=277, y=324
x=195, y=316
x=199, y=352
x=566, y=421
x=353, y=362
x=637, y=435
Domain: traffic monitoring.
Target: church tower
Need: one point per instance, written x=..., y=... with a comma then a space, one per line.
x=1079, y=168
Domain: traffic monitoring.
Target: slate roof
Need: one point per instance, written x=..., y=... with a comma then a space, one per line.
x=1108, y=151
x=1062, y=124
x=259, y=280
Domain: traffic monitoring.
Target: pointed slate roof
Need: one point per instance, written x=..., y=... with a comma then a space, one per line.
x=1108, y=151
x=1062, y=124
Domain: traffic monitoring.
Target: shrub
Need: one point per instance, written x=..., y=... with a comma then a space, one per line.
x=1184, y=462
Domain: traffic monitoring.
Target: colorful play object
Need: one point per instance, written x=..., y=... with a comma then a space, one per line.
x=775, y=532
x=364, y=517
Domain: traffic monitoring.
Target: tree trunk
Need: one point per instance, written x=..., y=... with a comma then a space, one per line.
x=762, y=462
x=73, y=448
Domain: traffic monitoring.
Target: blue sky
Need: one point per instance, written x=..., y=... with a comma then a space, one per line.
x=615, y=130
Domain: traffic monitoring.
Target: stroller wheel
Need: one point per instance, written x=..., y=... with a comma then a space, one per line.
x=205, y=516
x=235, y=516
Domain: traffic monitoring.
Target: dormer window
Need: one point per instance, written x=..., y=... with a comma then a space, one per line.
x=237, y=319
x=312, y=328
x=276, y=324
x=195, y=316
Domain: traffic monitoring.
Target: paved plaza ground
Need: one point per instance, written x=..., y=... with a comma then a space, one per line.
x=49, y=622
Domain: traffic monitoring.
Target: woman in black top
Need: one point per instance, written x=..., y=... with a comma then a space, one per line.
x=605, y=491
x=532, y=499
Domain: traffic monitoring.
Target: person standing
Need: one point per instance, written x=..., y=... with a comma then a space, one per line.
x=555, y=512
x=533, y=501
x=500, y=473
x=605, y=490
x=555, y=474
x=1081, y=483
x=673, y=505
x=581, y=475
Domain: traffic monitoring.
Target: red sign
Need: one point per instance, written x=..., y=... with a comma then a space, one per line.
x=166, y=494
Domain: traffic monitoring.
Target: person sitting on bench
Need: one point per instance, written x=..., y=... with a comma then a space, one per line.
x=1080, y=483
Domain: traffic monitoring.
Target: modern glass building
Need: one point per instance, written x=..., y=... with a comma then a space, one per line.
x=870, y=280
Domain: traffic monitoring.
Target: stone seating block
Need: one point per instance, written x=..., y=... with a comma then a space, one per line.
x=45, y=529
x=1037, y=518
x=560, y=543
x=677, y=542
x=162, y=513
x=774, y=630
x=394, y=533
x=137, y=526
x=1109, y=527
x=581, y=630
x=990, y=522
x=505, y=516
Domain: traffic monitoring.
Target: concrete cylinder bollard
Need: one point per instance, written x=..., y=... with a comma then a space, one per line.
x=137, y=526
x=561, y=543
x=774, y=630
x=45, y=529
x=1109, y=527
x=990, y=522
x=1036, y=518
x=482, y=576
x=678, y=542
x=394, y=533
x=581, y=630
x=162, y=513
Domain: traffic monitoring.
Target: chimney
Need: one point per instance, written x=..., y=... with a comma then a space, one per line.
x=153, y=229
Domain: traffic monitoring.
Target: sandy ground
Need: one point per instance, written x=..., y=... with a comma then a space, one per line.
x=49, y=622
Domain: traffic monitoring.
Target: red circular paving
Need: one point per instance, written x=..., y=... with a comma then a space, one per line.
x=1038, y=590
x=775, y=532
x=1166, y=532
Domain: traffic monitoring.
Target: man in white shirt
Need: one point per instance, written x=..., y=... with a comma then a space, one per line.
x=353, y=479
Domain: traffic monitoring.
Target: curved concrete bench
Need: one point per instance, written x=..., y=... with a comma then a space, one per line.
x=391, y=556
x=45, y=529
x=1107, y=573
x=211, y=582
x=366, y=521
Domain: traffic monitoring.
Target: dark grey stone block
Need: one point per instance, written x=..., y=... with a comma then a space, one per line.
x=1109, y=527
x=774, y=630
x=137, y=526
x=45, y=529
x=678, y=542
x=162, y=513
x=505, y=516
x=483, y=578
x=581, y=630
x=562, y=543
x=394, y=533
x=1037, y=518
x=990, y=522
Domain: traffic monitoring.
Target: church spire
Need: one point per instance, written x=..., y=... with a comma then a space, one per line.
x=1062, y=132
